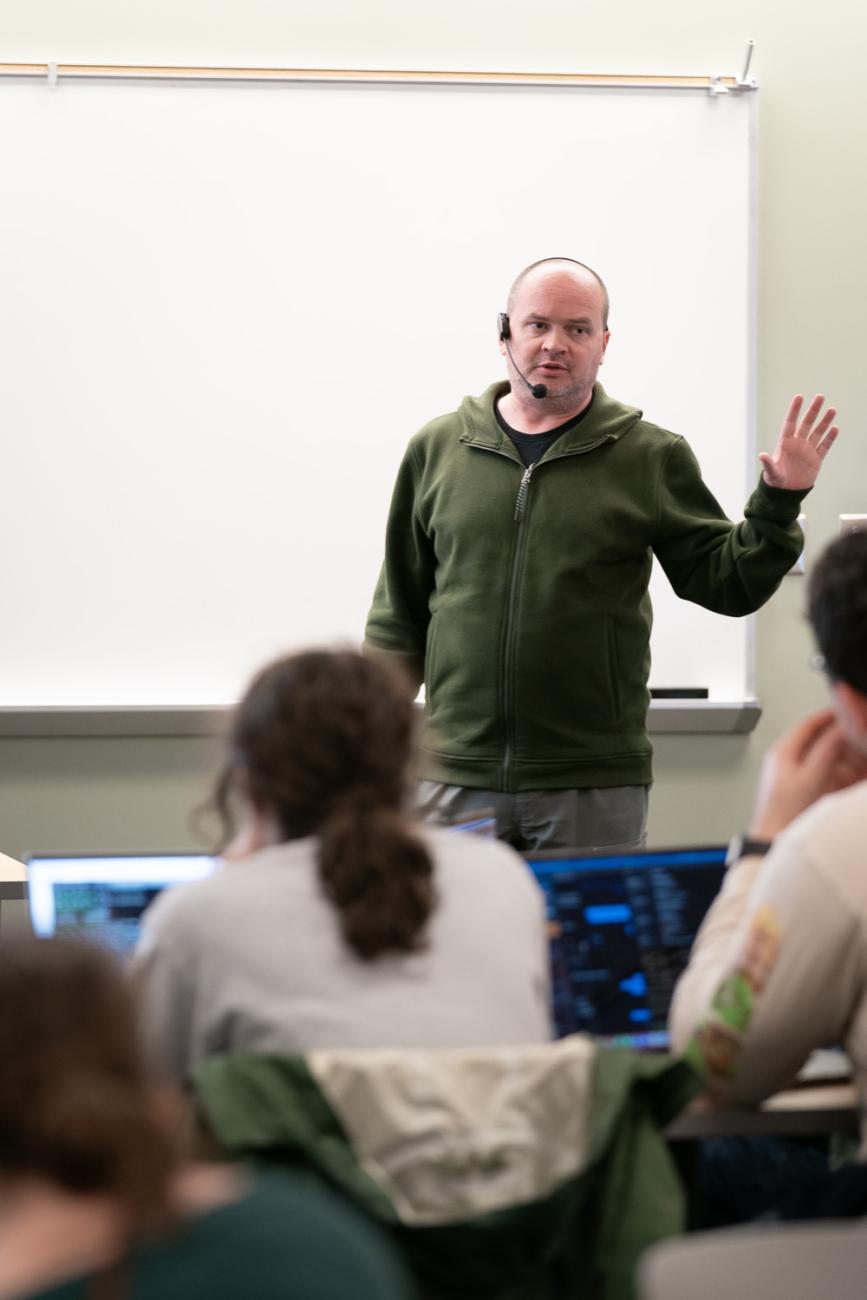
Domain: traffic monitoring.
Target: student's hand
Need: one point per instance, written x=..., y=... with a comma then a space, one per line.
x=801, y=447
x=813, y=759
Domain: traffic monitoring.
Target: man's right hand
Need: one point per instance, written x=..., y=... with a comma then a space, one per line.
x=812, y=759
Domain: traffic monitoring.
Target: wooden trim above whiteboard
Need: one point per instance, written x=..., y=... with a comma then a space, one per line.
x=391, y=76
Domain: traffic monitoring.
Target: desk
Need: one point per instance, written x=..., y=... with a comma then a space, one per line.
x=11, y=870
x=797, y=1112
x=812, y=1110
x=13, y=894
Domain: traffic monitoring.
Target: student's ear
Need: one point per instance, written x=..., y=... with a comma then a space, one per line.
x=851, y=708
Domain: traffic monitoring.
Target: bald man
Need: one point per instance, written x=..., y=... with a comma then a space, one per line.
x=517, y=557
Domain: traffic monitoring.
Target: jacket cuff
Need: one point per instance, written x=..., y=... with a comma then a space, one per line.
x=781, y=504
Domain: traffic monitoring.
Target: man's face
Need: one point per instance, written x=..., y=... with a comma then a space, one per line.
x=557, y=336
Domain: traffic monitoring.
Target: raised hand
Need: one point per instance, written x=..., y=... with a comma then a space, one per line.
x=801, y=447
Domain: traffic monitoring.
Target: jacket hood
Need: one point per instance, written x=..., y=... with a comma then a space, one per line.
x=606, y=419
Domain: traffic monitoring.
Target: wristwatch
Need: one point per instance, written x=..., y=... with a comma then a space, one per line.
x=744, y=846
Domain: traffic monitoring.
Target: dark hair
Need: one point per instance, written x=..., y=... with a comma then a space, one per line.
x=322, y=741
x=76, y=1106
x=837, y=608
x=570, y=261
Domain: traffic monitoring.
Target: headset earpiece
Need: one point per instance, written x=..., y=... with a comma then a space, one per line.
x=539, y=391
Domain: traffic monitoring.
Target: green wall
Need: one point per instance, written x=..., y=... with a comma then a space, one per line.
x=117, y=793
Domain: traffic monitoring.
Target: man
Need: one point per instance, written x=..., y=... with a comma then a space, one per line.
x=517, y=558
x=779, y=966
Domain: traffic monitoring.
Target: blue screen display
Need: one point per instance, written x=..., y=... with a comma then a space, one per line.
x=621, y=931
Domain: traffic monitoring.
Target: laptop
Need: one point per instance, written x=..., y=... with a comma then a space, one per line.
x=621, y=928
x=101, y=898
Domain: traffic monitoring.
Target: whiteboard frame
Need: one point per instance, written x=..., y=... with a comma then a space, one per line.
x=53, y=72
x=665, y=716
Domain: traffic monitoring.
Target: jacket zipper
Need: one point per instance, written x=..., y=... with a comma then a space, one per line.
x=521, y=502
x=509, y=636
x=508, y=658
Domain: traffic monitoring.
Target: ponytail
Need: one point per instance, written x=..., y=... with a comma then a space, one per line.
x=322, y=742
x=379, y=876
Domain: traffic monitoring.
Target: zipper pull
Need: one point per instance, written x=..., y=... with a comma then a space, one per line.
x=522, y=493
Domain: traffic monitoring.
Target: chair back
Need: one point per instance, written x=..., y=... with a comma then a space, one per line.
x=795, y=1261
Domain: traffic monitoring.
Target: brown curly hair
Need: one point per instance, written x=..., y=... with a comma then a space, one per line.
x=322, y=741
x=76, y=1105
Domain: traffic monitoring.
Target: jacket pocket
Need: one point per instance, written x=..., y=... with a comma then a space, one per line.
x=592, y=691
x=568, y=688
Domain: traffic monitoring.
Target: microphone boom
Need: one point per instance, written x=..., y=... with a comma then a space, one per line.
x=537, y=390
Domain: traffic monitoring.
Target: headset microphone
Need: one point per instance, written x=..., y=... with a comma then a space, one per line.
x=538, y=390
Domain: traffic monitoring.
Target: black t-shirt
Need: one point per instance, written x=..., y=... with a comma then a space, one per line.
x=531, y=447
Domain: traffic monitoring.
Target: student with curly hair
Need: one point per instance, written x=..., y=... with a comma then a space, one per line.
x=95, y=1200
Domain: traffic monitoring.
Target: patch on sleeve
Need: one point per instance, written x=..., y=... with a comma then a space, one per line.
x=715, y=1046
x=712, y=1050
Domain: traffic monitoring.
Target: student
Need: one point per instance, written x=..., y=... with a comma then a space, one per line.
x=336, y=922
x=94, y=1201
x=779, y=966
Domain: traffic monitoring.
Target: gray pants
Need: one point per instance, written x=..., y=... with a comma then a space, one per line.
x=598, y=820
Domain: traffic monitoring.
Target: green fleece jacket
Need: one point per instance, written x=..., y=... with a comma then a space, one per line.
x=520, y=595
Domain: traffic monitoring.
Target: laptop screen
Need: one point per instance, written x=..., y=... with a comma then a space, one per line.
x=621, y=930
x=102, y=898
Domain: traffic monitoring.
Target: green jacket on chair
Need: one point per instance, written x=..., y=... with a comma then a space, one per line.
x=527, y=1173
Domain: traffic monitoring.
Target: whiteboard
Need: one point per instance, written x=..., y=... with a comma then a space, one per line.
x=226, y=307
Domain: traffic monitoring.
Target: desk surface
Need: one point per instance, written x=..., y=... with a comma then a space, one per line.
x=816, y=1109
x=13, y=879
x=11, y=869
